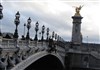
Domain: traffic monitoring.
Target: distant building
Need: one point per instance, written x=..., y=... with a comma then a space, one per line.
x=7, y=35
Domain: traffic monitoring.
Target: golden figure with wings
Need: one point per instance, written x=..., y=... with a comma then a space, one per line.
x=77, y=9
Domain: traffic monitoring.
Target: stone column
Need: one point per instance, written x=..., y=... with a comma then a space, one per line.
x=76, y=30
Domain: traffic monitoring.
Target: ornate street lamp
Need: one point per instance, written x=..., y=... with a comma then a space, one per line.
x=28, y=27
x=24, y=28
x=39, y=36
x=47, y=34
x=16, y=21
x=58, y=38
x=36, y=29
x=1, y=15
x=43, y=28
x=23, y=36
x=53, y=35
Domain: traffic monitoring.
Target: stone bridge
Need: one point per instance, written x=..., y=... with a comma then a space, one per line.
x=52, y=53
x=31, y=55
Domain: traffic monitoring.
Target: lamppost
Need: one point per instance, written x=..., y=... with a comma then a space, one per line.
x=39, y=36
x=58, y=38
x=24, y=28
x=1, y=16
x=47, y=34
x=36, y=29
x=23, y=36
x=88, y=53
x=16, y=21
x=28, y=27
x=53, y=35
x=43, y=28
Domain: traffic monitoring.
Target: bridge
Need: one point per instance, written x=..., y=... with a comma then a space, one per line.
x=52, y=53
x=24, y=57
x=31, y=54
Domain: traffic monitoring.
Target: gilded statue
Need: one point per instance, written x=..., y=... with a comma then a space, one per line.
x=77, y=10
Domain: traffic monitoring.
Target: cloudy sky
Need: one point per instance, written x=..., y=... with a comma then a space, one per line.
x=55, y=14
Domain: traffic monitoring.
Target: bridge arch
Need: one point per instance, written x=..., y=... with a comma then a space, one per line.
x=41, y=61
x=48, y=62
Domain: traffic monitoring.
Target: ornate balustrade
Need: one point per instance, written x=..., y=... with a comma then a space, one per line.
x=7, y=43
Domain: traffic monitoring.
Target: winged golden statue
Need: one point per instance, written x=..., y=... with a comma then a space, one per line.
x=77, y=10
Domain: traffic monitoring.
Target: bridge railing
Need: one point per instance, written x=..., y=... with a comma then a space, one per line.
x=21, y=43
x=7, y=43
x=10, y=43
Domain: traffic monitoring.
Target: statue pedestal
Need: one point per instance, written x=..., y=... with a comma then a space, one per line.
x=76, y=31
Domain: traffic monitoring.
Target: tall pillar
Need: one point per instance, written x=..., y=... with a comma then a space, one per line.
x=76, y=30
